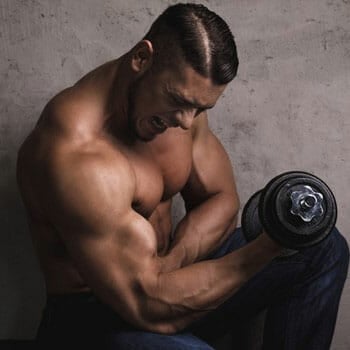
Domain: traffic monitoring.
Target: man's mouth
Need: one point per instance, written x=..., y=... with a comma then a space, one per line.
x=158, y=123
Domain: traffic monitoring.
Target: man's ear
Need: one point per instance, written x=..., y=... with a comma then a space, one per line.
x=142, y=56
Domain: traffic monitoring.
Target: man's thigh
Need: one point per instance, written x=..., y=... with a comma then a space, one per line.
x=132, y=340
x=81, y=321
x=281, y=278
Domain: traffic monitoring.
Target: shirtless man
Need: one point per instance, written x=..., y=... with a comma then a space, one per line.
x=97, y=176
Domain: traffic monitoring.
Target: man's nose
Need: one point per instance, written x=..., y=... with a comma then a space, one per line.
x=185, y=118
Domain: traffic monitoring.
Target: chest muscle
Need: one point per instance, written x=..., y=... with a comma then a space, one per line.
x=161, y=171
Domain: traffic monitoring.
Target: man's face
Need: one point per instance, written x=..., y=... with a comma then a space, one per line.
x=170, y=98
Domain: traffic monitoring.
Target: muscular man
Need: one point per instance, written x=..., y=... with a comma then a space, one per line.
x=98, y=174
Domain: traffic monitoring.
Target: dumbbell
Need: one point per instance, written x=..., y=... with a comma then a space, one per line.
x=296, y=209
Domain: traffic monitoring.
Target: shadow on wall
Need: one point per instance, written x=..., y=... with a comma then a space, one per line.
x=21, y=285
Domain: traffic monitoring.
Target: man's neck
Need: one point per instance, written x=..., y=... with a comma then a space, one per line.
x=117, y=108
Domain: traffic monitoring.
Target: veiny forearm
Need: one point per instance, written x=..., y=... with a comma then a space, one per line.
x=182, y=296
x=202, y=230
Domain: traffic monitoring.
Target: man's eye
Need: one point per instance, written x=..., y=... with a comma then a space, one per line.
x=181, y=104
x=176, y=103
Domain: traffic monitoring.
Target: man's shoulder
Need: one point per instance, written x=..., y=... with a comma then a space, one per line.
x=71, y=111
x=48, y=157
x=67, y=130
x=93, y=160
x=75, y=176
x=93, y=171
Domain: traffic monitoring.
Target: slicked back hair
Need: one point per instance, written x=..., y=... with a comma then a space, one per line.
x=199, y=37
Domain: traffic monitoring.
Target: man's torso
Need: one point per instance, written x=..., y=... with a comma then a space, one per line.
x=161, y=169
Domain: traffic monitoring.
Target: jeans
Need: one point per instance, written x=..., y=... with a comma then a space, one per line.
x=301, y=294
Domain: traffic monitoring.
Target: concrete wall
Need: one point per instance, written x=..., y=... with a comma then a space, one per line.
x=287, y=109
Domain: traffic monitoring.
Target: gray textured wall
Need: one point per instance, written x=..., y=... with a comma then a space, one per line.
x=287, y=109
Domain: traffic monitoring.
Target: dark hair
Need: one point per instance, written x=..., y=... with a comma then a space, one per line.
x=204, y=39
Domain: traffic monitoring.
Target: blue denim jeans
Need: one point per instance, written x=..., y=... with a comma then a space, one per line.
x=301, y=294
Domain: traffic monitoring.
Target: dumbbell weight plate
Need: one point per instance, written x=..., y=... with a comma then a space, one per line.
x=285, y=227
x=251, y=224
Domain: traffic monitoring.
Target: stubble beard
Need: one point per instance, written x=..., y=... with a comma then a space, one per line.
x=131, y=115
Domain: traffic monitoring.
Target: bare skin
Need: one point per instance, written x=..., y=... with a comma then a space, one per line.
x=97, y=176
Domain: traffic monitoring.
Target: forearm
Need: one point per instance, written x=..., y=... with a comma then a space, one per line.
x=182, y=296
x=202, y=230
x=129, y=276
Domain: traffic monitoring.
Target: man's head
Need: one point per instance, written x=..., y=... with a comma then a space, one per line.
x=179, y=69
x=199, y=37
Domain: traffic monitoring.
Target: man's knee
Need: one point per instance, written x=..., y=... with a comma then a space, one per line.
x=330, y=257
x=341, y=249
